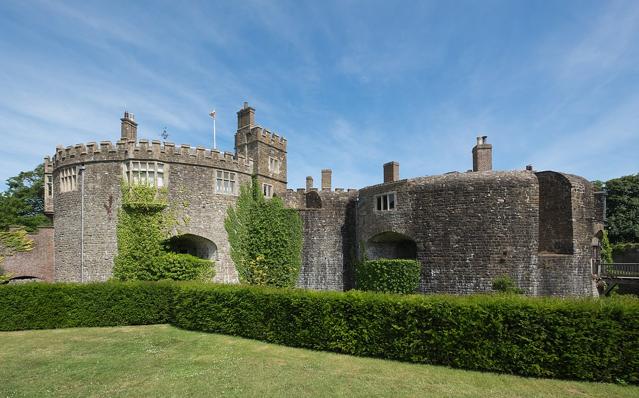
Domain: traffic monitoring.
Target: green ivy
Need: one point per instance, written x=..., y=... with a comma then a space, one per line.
x=144, y=223
x=265, y=239
x=388, y=275
x=606, y=249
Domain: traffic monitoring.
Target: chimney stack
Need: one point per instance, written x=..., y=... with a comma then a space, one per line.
x=391, y=171
x=326, y=179
x=128, y=128
x=246, y=116
x=482, y=155
x=309, y=183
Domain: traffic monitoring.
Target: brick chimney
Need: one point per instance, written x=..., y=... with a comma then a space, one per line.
x=326, y=179
x=246, y=116
x=309, y=183
x=391, y=171
x=128, y=128
x=482, y=155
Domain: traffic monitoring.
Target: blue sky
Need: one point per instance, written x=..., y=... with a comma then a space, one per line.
x=350, y=84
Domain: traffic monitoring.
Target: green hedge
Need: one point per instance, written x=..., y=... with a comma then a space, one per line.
x=545, y=337
x=61, y=305
x=388, y=275
x=558, y=338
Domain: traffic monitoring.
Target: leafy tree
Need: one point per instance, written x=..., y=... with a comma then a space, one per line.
x=622, y=205
x=23, y=201
x=265, y=239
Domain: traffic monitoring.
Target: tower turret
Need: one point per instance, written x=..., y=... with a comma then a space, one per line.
x=267, y=149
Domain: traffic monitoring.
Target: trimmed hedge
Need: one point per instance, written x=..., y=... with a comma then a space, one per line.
x=583, y=339
x=61, y=305
x=388, y=275
x=543, y=337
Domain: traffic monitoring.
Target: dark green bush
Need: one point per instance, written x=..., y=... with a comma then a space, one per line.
x=61, y=305
x=388, y=275
x=184, y=267
x=542, y=337
x=505, y=284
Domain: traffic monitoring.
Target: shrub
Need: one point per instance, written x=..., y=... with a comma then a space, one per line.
x=184, y=267
x=505, y=284
x=583, y=339
x=542, y=337
x=60, y=305
x=388, y=275
x=265, y=239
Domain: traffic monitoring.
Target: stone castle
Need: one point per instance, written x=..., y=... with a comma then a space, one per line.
x=466, y=229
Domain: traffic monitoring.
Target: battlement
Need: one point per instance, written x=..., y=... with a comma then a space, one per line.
x=270, y=138
x=168, y=152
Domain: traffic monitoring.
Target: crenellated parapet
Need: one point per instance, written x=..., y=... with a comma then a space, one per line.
x=167, y=152
x=270, y=138
x=304, y=199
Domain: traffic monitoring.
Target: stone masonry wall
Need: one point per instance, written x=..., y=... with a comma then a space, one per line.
x=468, y=228
x=205, y=210
x=102, y=200
x=571, y=275
x=329, y=230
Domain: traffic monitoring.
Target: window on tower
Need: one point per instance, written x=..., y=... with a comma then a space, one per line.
x=144, y=173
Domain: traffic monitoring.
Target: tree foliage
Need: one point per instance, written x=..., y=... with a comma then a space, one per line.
x=23, y=201
x=144, y=224
x=265, y=239
x=622, y=209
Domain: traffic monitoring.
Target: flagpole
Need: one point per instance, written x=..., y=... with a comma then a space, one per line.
x=212, y=114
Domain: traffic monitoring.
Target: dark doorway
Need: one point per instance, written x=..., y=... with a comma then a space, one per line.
x=391, y=245
x=194, y=245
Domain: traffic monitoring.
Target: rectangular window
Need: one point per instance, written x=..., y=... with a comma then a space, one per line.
x=273, y=165
x=49, y=185
x=225, y=182
x=68, y=179
x=267, y=190
x=385, y=202
x=144, y=173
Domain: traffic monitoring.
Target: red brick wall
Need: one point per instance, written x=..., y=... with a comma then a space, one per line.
x=37, y=262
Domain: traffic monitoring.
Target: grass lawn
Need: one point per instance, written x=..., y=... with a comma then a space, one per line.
x=164, y=361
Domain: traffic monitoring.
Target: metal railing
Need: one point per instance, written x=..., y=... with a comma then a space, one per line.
x=621, y=270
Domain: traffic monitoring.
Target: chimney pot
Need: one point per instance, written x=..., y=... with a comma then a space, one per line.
x=128, y=127
x=326, y=179
x=391, y=171
x=482, y=155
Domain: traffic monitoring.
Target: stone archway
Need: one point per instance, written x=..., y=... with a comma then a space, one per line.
x=194, y=245
x=391, y=245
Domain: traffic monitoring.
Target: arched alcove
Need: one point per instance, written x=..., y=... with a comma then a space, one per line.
x=194, y=245
x=555, y=213
x=391, y=245
x=313, y=200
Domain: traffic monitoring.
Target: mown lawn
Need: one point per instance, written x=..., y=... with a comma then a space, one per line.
x=165, y=361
